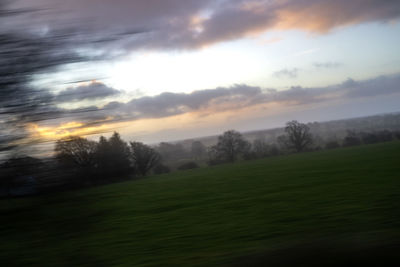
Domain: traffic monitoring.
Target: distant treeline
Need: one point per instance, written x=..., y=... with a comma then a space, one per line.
x=80, y=162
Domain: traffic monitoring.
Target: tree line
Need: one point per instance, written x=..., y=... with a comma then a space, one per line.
x=81, y=162
x=107, y=159
x=297, y=138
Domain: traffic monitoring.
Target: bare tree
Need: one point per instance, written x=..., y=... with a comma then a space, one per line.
x=77, y=150
x=230, y=146
x=297, y=136
x=144, y=157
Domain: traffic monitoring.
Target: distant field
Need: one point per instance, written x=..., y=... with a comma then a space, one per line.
x=325, y=207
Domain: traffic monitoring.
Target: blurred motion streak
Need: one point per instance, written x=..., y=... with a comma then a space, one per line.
x=26, y=53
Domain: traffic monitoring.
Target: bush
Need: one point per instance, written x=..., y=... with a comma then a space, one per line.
x=370, y=138
x=160, y=169
x=332, y=145
x=397, y=135
x=385, y=136
x=189, y=165
x=143, y=157
x=351, y=141
x=274, y=150
x=215, y=161
x=231, y=146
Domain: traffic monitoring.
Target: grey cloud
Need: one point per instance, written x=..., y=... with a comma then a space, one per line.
x=226, y=99
x=287, y=73
x=327, y=65
x=233, y=23
x=92, y=91
x=239, y=96
x=178, y=24
x=168, y=104
x=383, y=85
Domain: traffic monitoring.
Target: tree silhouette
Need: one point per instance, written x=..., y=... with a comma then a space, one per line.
x=230, y=146
x=144, y=157
x=77, y=150
x=118, y=155
x=260, y=148
x=297, y=136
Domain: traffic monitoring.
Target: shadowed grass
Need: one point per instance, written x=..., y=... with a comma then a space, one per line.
x=235, y=214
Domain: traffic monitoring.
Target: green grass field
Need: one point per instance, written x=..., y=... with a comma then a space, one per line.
x=342, y=202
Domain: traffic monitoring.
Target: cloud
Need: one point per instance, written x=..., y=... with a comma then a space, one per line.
x=287, y=73
x=169, y=104
x=92, y=91
x=190, y=24
x=382, y=85
x=240, y=96
x=236, y=101
x=327, y=65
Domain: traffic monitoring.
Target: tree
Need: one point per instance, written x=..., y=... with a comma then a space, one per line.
x=117, y=154
x=297, y=136
x=112, y=157
x=369, y=138
x=351, y=139
x=332, y=145
x=76, y=150
x=19, y=172
x=188, y=165
x=160, y=169
x=171, y=152
x=230, y=146
x=198, y=149
x=144, y=157
x=260, y=148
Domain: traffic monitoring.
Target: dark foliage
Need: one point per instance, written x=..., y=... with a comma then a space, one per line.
x=112, y=157
x=260, y=148
x=160, y=169
x=351, y=139
x=298, y=136
x=171, y=152
x=332, y=145
x=369, y=138
x=76, y=155
x=188, y=165
x=18, y=175
x=75, y=150
x=143, y=157
x=385, y=136
x=198, y=150
x=231, y=145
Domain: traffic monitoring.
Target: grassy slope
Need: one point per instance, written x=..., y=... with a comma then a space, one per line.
x=211, y=216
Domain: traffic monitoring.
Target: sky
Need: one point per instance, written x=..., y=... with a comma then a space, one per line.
x=164, y=70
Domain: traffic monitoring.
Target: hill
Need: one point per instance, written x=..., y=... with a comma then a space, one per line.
x=326, y=130
x=337, y=205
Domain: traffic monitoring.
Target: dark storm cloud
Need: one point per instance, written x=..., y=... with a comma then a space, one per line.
x=92, y=91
